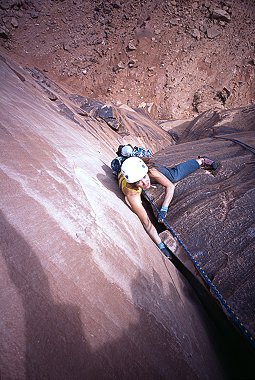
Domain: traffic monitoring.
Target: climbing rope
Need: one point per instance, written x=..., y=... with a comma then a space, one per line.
x=242, y=144
x=223, y=302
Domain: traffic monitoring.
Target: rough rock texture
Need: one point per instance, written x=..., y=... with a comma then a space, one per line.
x=215, y=216
x=79, y=277
x=177, y=55
x=132, y=127
x=84, y=292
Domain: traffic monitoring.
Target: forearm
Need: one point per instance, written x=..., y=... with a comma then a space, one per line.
x=136, y=205
x=168, y=195
x=151, y=231
x=169, y=192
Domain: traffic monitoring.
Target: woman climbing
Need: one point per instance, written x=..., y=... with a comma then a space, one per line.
x=136, y=176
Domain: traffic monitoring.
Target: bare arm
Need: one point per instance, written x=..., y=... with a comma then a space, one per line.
x=134, y=201
x=168, y=185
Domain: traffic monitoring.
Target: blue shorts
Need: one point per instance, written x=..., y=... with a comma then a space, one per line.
x=180, y=171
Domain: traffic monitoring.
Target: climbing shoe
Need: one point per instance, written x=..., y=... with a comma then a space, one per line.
x=208, y=164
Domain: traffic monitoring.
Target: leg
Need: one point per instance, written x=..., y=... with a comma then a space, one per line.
x=180, y=171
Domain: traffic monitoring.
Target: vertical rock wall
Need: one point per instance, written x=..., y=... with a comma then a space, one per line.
x=84, y=292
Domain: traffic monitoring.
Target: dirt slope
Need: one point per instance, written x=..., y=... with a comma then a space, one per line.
x=181, y=56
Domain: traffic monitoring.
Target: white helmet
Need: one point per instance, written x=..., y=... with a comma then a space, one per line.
x=134, y=169
x=127, y=151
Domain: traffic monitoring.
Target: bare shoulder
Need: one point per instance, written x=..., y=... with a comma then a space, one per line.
x=133, y=196
x=159, y=177
x=154, y=173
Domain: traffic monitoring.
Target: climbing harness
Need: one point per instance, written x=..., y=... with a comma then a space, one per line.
x=213, y=288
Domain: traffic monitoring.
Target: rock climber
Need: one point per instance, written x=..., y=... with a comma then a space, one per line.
x=136, y=176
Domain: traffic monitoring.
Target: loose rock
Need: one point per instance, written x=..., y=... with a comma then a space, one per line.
x=34, y=14
x=108, y=114
x=207, y=4
x=132, y=63
x=196, y=34
x=118, y=67
x=220, y=14
x=117, y=5
x=175, y=21
x=131, y=46
x=4, y=6
x=4, y=32
x=223, y=95
x=213, y=32
x=14, y=22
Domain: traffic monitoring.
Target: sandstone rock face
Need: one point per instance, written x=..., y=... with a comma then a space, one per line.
x=84, y=293
x=215, y=215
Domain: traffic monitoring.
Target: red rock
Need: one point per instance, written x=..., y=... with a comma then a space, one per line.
x=82, y=285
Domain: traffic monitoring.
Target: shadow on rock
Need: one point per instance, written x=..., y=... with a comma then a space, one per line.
x=110, y=181
x=56, y=347
x=55, y=341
